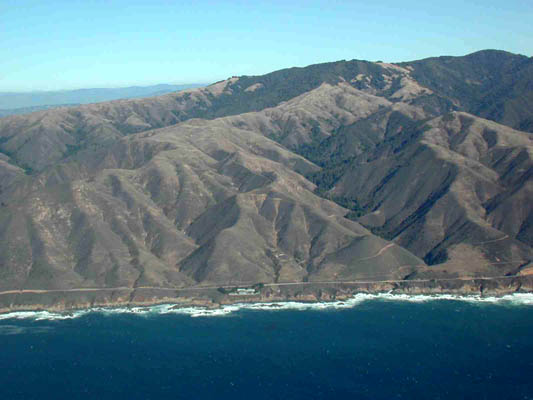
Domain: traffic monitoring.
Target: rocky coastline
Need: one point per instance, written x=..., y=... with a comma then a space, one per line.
x=212, y=298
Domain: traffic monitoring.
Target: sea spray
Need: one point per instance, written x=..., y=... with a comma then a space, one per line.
x=516, y=299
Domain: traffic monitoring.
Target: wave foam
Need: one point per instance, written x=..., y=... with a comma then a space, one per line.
x=516, y=299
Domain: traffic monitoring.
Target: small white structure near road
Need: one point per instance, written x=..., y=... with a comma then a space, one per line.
x=243, y=292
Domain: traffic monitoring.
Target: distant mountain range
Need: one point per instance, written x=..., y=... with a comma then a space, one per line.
x=336, y=172
x=28, y=110
x=23, y=103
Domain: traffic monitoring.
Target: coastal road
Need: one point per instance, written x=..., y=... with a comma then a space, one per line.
x=192, y=288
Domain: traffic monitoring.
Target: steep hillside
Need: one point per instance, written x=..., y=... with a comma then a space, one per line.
x=456, y=190
x=44, y=138
x=198, y=203
x=435, y=85
x=491, y=84
x=335, y=172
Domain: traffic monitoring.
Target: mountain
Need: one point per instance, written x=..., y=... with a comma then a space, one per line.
x=12, y=103
x=28, y=110
x=491, y=84
x=339, y=172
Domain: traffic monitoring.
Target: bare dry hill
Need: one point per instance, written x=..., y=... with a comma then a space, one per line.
x=198, y=203
x=341, y=171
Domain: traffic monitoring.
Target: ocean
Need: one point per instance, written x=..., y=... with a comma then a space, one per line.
x=372, y=347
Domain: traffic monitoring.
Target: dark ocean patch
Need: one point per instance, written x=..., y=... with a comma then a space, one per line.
x=375, y=350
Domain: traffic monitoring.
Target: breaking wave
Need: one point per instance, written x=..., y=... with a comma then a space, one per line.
x=516, y=299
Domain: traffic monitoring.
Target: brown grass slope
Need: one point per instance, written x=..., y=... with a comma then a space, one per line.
x=458, y=191
x=454, y=189
x=199, y=203
x=127, y=194
x=492, y=84
x=43, y=138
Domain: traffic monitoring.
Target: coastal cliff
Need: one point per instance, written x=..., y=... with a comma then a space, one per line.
x=59, y=301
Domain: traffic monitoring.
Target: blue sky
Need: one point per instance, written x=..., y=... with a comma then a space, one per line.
x=56, y=44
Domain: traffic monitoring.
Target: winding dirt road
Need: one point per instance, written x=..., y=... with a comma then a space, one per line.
x=380, y=252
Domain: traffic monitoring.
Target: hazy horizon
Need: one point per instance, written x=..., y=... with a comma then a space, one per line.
x=43, y=91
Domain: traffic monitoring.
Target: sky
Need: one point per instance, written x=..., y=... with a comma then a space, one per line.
x=57, y=44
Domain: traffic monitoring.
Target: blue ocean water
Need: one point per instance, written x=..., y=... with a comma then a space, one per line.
x=377, y=349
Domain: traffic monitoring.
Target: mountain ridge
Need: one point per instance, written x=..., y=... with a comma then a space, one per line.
x=336, y=172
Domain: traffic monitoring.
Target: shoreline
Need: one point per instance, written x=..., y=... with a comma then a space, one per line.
x=515, y=299
x=211, y=298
